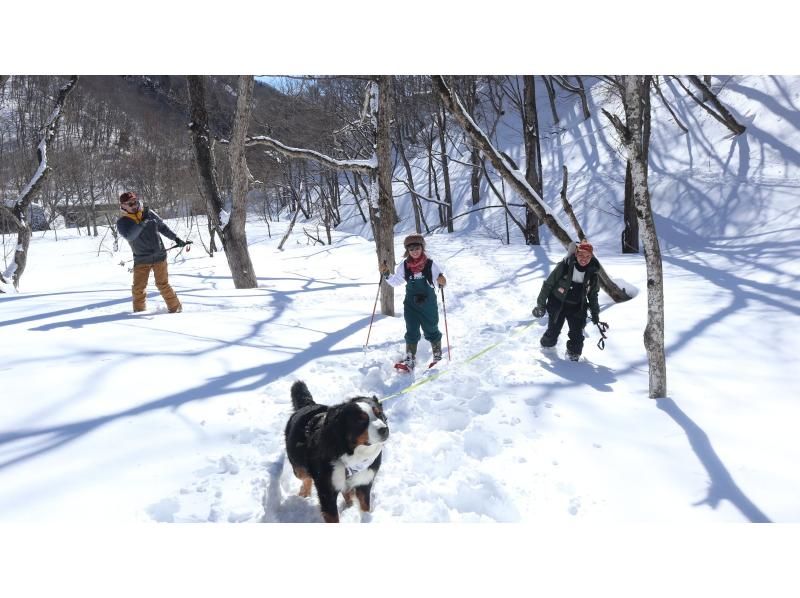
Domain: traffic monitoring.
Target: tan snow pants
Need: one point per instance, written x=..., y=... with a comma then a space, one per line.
x=141, y=274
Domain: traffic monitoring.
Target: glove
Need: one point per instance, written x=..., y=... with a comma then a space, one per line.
x=145, y=212
x=441, y=280
x=538, y=311
x=385, y=271
x=595, y=319
x=179, y=242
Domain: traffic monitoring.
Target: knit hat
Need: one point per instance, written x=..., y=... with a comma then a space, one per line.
x=412, y=239
x=585, y=246
x=127, y=196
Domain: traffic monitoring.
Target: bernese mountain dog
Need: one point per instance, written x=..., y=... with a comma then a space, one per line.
x=338, y=448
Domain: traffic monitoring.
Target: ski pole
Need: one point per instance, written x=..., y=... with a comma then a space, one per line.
x=373, y=310
x=446, y=333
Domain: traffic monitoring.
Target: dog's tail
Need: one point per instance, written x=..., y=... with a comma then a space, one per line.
x=300, y=395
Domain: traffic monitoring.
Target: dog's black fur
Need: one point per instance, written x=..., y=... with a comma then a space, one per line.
x=337, y=447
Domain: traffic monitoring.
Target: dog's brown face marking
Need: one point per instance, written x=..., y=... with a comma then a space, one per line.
x=362, y=438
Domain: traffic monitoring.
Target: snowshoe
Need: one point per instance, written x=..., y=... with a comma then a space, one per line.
x=407, y=365
x=573, y=356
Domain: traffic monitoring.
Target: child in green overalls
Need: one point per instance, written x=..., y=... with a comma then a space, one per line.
x=420, y=308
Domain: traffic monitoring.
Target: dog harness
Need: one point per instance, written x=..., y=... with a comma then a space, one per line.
x=353, y=468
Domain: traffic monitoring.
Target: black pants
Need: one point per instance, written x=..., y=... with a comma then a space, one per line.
x=576, y=320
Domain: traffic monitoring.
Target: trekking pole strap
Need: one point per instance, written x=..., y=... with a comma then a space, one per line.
x=602, y=327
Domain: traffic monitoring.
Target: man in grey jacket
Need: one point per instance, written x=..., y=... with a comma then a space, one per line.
x=141, y=227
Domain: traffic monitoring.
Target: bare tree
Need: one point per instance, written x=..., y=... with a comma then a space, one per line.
x=568, y=207
x=18, y=208
x=379, y=169
x=244, y=276
x=446, y=211
x=533, y=156
x=202, y=144
x=576, y=89
x=515, y=179
x=229, y=227
x=657, y=87
x=632, y=134
x=719, y=112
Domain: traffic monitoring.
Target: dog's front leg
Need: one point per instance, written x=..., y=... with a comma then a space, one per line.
x=363, y=494
x=348, y=498
x=327, y=501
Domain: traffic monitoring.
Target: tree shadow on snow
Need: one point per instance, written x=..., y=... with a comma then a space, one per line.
x=39, y=441
x=722, y=486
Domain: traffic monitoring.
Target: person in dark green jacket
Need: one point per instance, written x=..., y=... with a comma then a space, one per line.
x=570, y=289
x=420, y=309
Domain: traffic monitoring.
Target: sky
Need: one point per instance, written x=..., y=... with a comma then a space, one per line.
x=115, y=421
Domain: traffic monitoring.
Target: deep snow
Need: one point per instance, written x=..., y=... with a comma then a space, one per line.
x=110, y=418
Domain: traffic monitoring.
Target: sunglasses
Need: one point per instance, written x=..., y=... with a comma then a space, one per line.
x=414, y=247
x=133, y=202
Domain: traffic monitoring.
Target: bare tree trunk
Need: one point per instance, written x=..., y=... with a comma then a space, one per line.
x=667, y=105
x=289, y=228
x=204, y=156
x=414, y=200
x=568, y=207
x=384, y=214
x=244, y=276
x=551, y=94
x=721, y=114
x=356, y=194
x=637, y=93
x=630, y=232
x=441, y=123
x=533, y=156
x=502, y=201
x=229, y=227
x=579, y=90
x=515, y=179
x=19, y=207
x=474, y=154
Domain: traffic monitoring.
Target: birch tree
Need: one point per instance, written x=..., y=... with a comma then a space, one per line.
x=516, y=180
x=533, y=156
x=229, y=227
x=632, y=134
x=18, y=208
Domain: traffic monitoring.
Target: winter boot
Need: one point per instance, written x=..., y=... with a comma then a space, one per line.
x=411, y=354
x=573, y=356
x=436, y=349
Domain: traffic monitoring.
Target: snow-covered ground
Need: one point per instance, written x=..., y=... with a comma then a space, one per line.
x=115, y=417
x=109, y=418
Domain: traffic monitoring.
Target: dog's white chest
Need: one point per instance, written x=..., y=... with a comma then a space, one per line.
x=353, y=470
